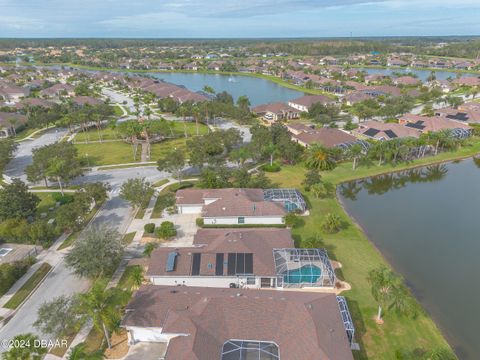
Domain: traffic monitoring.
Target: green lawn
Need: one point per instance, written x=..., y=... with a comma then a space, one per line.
x=93, y=134
x=46, y=203
x=358, y=256
x=126, y=281
x=159, y=150
x=178, y=128
x=108, y=153
x=28, y=287
x=111, y=153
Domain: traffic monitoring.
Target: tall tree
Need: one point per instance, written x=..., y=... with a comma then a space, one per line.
x=96, y=253
x=28, y=352
x=135, y=191
x=16, y=202
x=103, y=307
x=173, y=162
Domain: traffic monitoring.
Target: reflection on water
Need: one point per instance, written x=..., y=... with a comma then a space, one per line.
x=425, y=222
x=381, y=184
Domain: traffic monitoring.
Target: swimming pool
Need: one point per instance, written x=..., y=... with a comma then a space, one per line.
x=305, y=274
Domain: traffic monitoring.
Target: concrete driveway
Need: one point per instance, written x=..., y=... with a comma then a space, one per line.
x=186, y=229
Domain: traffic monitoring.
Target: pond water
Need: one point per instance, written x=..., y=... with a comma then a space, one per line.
x=421, y=74
x=259, y=91
x=426, y=222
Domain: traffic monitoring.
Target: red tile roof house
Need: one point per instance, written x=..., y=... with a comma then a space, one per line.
x=276, y=112
x=467, y=81
x=9, y=121
x=427, y=124
x=245, y=258
x=304, y=103
x=328, y=137
x=12, y=93
x=58, y=90
x=466, y=113
x=33, y=102
x=240, y=206
x=385, y=131
x=230, y=324
x=406, y=81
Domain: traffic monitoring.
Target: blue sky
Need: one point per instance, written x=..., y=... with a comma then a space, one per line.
x=237, y=18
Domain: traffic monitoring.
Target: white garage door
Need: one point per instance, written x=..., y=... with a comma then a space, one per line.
x=148, y=334
x=189, y=209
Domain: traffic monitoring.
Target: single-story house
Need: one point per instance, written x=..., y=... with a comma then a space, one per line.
x=222, y=258
x=58, y=90
x=406, y=81
x=86, y=100
x=427, y=124
x=304, y=103
x=328, y=137
x=9, y=122
x=34, y=102
x=240, y=206
x=466, y=113
x=385, y=131
x=12, y=93
x=276, y=111
x=232, y=324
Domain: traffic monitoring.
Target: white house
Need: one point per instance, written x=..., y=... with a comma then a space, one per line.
x=221, y=258
x=240, y=206
x=242, y=258
x=304, y=103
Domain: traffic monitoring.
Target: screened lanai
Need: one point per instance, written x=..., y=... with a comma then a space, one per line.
x=292, y=198
x=250, y=349
x=303, y=267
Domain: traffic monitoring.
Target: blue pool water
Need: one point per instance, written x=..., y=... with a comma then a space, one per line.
x=305, y=274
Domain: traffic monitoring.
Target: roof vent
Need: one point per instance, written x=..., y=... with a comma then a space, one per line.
x=173, y=291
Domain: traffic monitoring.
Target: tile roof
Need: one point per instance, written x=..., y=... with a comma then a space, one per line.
x=209, y=242
x=304, y=325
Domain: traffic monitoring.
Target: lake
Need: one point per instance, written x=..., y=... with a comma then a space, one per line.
x=426, y=222
x=421, y=74
x=259, y=91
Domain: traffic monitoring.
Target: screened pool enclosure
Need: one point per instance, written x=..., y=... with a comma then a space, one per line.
x=303, y=267
x=249, y=349
x=291, y=198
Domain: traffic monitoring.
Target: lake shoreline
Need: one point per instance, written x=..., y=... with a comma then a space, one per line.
x=446, y=333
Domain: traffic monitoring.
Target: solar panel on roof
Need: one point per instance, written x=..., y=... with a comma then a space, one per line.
x=240, y=263
x=170, y=266
x=371, y=132
x=418, y=125
x=248, y=263
x=197, y=258
x=232, y=263
x=219, y=264
x=390, y=134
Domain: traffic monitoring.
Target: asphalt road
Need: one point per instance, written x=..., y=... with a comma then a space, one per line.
x=23, y=155
x=116, y=213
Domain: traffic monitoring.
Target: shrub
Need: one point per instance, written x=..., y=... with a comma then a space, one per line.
x=10, y=273
x=199, y=222
x=166, y=230
x=332, y=223
x=292, y=220
x=179, y=186
x=149, y=228
x=271, y=168
x=62, y=199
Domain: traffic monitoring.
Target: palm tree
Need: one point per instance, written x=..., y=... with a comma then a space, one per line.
x=355, y=152
x=103, y=307
x=390, y=292
x=137, y=276
x=320, y=158
x=79, y=352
